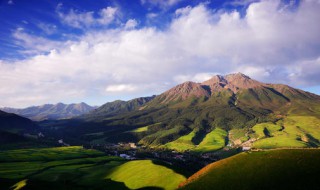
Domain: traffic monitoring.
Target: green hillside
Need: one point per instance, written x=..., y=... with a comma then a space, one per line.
x=273, y=169
x=78, y=168
x=232, y=110
x=214, y=140
x=142, y=173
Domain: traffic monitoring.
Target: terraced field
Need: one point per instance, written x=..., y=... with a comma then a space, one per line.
x=78, y=168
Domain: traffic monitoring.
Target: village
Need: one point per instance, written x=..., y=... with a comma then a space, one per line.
x=188, y=159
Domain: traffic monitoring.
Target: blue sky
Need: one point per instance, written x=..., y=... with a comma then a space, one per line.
x=98, y=51
x=44, y=18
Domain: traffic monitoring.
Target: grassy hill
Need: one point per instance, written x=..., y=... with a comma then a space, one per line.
x=144, y=173
x=273, y=169
x=78, y=168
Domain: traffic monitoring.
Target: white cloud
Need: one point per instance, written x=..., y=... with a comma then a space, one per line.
x=130, y=24
x=152, y=15
x=34, y=44
x=241, y=2
x=78, y=19
x=10, y=2
x=47, y=28
x=198, y=77
x=107, y=15
x=121, y=88
x=160, y=3
x=183, y=11
x=269, y=43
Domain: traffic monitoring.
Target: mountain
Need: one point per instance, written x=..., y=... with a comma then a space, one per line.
x=13, y=123
x=116, y=107
x=51, y=111
x=274, y=169
x=13, y=129
x=223, y=112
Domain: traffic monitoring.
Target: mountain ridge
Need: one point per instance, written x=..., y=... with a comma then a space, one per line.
x=51, y=111
x=224, y=109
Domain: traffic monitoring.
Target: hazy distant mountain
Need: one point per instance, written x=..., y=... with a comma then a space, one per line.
x=51, y=111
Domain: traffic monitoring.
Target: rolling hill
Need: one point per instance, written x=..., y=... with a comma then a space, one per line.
x=51, y=111
x=274, y=169
x=78, y=168
x=232, y=110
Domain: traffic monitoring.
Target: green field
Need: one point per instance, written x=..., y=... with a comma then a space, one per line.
x=238, y=136
x=214, y=140
x=288, y=132
x=140, y=129
x=47, y=154
x=143, y=129
x=291, y=132
x=273, y=169
x=183, y=143
x=142, y=173
x=78, y=168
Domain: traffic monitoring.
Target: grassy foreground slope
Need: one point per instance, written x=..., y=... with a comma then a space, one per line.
x=141, y=173
x=78, y=168
x=273, y=169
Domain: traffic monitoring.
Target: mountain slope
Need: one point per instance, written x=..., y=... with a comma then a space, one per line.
x=13, y=123
x=13, y=129
x=224, y=109
x=51, y=111
x=276, y=169
x=116, y=107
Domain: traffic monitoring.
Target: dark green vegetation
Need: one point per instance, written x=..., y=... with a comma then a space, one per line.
x=116, y=107
x=232, y=110
x=12, y=123
x=78, y=168
x=19, y=132
x=274, y=169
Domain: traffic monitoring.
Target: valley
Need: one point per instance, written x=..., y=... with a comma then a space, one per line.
x=183, y=138
x=159, y=95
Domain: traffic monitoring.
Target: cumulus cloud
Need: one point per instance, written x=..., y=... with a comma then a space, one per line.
x=271, y=43
x=79, y=19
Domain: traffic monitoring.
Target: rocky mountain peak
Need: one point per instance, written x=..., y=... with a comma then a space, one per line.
x=183, y=91
x=233, y=82
x=215, y=79
x=240, y=81
x=238, y=75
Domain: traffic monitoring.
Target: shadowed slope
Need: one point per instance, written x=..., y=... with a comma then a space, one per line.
x=276, y=169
